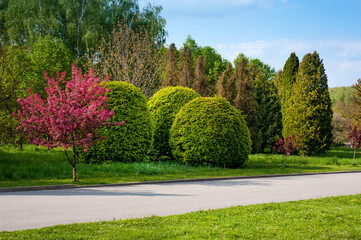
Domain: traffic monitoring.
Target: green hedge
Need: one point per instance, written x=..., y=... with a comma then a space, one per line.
x=163, y=106
x=128, y=143
x=210, y=131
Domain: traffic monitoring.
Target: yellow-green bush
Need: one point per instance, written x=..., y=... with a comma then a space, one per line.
x=163, y=106
x=210, y=131
x=128, y=143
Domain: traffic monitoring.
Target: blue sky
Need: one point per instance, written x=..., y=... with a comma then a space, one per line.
x=271, y=29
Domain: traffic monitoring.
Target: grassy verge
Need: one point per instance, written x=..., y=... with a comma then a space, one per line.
x=38, y=166
x=327, y=218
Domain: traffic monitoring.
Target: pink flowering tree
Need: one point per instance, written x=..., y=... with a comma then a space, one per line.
x=355, y=138
x=68, y=118
x=287, y=146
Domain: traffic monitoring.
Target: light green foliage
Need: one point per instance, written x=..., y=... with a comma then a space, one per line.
x=215, y=64
x=326, y=218
x=164, y=106
x=15, y=69
x=266, y=69
x=309, y=110
x=210, y=131
x=341, y=94
x=128, y=143
x=289, y=74
x=49, y=55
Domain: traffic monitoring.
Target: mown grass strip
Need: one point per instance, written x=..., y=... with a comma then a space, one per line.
x=326, y=218
x=37, y=166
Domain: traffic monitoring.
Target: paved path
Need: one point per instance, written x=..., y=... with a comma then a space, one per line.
x=35, y=209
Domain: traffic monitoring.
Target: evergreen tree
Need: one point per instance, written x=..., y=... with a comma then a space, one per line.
x=245, y=100
x=186, y=77
x=277, y=81
x=222, y=83
x=309, y=111
x=201, y=84
x=289, y=74
x=269, y=112
x=171, y=77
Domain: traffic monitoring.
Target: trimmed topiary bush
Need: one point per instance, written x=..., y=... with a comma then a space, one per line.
x=210, y=131
x=128, y=143
x=163, y=106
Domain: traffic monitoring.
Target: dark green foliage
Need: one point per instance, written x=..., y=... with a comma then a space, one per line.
x=289, y=75
x=128, y=143
x=163, y=106
x=309, y=110
x=269, y=112
x=210, y=131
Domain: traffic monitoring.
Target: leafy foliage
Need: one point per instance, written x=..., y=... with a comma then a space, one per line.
x=128, y=143
x=171, y=75
x=341, y=94
x=309, y=110
x=129, y=56
x=355, y=138
x=164, y=106
x=79, y=24
x=210, y=131
x=69, y=118
x=201, y=83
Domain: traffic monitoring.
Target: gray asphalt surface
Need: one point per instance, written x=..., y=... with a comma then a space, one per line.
x=36, y=209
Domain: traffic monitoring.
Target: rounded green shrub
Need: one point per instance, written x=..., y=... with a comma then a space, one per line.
x=210, y=131
x=163, y=106
x=127, y=143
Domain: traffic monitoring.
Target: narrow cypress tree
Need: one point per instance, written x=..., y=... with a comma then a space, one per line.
x=201, y=84
x=289, y=74
x=171, y=77
x=186, y=77
x=309, y=110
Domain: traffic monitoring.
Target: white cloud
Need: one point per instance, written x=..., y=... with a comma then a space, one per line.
x=350, y=66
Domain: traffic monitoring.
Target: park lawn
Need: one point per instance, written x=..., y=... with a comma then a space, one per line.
x=37, y=166
x=326, y=218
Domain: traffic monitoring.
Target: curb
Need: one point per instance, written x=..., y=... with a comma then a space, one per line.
x=69, y=186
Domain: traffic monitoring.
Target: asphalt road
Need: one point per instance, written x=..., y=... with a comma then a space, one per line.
x=36, y=209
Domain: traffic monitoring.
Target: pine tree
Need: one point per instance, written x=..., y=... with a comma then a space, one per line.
x=201, y=84
x=186, y=77
x=309, y=110
x=171, y=70
x=289, y=74
x=245, y=100
x=277, y=81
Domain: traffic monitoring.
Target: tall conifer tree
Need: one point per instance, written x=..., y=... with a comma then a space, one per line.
x=171, y=77
x=201, y=84
x=245, y=100
x=222, y=83
x=186, y=77
x=309, y=110
x=289, y=74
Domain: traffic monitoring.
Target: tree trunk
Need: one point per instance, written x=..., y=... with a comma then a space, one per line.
x=75, y=177
x=354, y=154
x=74, y=174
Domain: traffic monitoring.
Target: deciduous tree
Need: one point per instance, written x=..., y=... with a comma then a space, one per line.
x=68, y=118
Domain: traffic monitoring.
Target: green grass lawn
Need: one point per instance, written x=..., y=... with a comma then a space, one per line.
x=38, y=166
x=327, y=218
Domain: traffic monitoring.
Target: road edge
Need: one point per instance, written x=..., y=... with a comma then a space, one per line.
x=69, y=186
